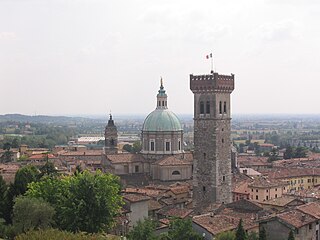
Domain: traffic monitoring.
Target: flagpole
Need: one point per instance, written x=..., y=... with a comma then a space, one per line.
x=212, y=65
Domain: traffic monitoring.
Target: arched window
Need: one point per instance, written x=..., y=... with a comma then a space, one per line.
x=175, y=172
x=225, y=107
x=201, y=107
x=220, y=107
x=208, y=107
x=179, y=145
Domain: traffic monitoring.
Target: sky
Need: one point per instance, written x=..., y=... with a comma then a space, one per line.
x=82, y=57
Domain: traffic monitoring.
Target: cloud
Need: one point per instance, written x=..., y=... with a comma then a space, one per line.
x=277, y=32
x=8, y=36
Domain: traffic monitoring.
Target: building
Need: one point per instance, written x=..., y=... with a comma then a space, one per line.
x=162, y=157
x=212, y=138
x=303, y=221
x=264, y=189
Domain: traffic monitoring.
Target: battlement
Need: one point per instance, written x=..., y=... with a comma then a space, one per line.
x=212, y=82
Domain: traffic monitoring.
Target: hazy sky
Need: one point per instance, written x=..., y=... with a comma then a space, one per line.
x=93, y=56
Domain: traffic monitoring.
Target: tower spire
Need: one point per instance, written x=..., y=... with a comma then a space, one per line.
x=161, y=97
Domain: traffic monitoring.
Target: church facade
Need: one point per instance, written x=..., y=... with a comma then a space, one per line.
x=162, y=157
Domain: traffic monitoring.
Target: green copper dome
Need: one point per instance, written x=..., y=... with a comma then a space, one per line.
x=161, y=120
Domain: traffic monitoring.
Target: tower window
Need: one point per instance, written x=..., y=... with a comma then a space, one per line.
x=208, y=107
x=204, y=155
x=204, y=189
x=152, y=146
x=225, y=107
x=222, y=140
x=167, y=146
x=179, y=145
x=159, y=103
x=163, y=103
x=136, y=168
x=176, y=173
x=220, y=107
x=201, y=107
x=223, y=178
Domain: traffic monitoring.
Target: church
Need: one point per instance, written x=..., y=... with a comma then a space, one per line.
x=162, y=157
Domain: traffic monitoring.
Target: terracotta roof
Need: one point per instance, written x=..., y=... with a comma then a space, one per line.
x=172, y=161
x=41, y=157
x=263, y=182
x=179, y=189
x=81, y=153
x=312, y=208
x=154, y=205
x=225, y=221
x=296, y=218
x=281, y=173
x=149, y=192
x=125, y=158
x=281, y=201
x=175, y=212
x=241, y=187
x=135, y=197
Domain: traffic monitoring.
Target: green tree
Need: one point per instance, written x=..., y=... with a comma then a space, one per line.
x=55, y=234
x=144, y=230
x=229, y=235
x=273, y=156
x=262, y=234
x=23, y=177
x=83, y=202
x=127, y=147
x=3, y=189
x=253, y=236
x=8, y=203
x=289, y=153
x=300, y=152
x=31, y=213
x=48, y=169
x=240, y=233
x=291, y=236
x=7, y=156
x=181, y=229
x=136, y=147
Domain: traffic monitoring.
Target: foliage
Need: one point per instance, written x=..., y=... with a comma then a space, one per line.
x=23, y=177
x=135, y=148
x=262, y=234
x=7, y=156
x=55, y=234
x=291, y=236
x=83, y=202
x=240, y=233
x=253, y=236
x=3, y=189
x=144, y=230
x=273, y=155
x=229, y=235
x=181, y=229
x=292, y=152
x=48, y=169
x=31, y=213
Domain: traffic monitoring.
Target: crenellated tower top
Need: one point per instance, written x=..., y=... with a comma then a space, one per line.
x=212, y=83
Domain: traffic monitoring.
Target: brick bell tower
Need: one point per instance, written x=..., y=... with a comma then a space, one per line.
x=212, y=139
x=111, y=137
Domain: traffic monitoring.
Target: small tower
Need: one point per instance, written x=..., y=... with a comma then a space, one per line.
x=162, y=97
x=111, y=137
x=162, y=133
x=212, y=140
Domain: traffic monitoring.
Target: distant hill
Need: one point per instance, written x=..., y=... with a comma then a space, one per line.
x=42, y=119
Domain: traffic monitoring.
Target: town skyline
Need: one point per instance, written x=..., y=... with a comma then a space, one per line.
x=76, y=57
